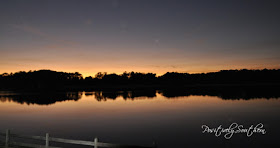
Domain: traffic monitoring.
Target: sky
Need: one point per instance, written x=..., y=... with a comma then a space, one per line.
x=90, y=36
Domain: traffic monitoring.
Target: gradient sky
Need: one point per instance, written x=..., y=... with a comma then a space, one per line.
x=157, y=36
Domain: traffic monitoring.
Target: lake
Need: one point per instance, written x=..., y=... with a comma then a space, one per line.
x=171, y=118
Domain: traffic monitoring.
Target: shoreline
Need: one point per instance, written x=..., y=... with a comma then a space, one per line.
x=142, y=87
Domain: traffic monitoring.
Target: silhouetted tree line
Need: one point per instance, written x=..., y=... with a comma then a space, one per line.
x=125, y=78
x=47, y=79
x=243, y=76
x=42, y=79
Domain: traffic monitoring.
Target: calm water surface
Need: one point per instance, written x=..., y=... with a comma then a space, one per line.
x=140, y=118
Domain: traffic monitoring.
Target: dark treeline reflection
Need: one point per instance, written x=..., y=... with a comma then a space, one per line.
x=42, y=98
x=53, y=80
x=225, y=93
x=126, y=95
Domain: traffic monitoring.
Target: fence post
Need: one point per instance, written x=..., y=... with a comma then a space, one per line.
x=47, y=140
x=95, y=142
x=154, y=144
x=7, y=138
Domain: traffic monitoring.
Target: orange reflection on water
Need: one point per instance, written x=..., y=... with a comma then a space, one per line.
x=89, y=106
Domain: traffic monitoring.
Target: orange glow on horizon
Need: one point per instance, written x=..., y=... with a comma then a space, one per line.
x=160, y=72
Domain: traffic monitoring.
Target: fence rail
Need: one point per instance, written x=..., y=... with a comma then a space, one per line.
x=8, y=142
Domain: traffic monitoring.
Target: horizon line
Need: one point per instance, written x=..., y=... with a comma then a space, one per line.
x=142, y=72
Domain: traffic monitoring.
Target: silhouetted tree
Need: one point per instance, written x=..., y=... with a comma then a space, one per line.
x=100, y=75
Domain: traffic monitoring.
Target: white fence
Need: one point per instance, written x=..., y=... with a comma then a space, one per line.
x=95, y=143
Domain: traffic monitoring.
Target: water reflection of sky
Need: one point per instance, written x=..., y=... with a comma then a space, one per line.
x=145, y=119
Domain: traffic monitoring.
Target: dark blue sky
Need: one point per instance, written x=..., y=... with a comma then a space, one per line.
x=141, y=35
